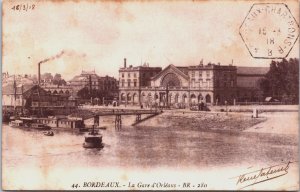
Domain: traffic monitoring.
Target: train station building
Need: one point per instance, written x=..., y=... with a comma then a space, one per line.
x=178, y=85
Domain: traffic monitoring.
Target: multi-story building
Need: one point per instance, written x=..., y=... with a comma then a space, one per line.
x=102, y=88
x=86, y=79
x=18, y=97
x=248, y=83
x=209, y=83
x=133, y=79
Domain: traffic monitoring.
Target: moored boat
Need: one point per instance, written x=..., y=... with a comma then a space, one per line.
x=40, y=126
x=49, y=133
x=16, y=124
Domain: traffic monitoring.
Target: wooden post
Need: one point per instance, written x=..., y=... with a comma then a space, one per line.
x=138, y=118
x=118, y=122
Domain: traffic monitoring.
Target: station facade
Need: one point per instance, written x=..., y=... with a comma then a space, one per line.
x=176, y=85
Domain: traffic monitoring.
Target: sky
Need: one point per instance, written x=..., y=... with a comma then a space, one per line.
x=98, y=35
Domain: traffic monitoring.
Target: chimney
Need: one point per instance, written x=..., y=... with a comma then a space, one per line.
x=124, y=62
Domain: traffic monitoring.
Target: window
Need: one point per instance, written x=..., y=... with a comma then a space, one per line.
x=123, y=82
x=134, y=83
x=193, y=73
x=200, y=74
x=208, y=82
x=207, y=73
x=200, y=82
x=134, y=75
x=193, y=83
x=122, y=75
x=128, y=83
x=128, y=74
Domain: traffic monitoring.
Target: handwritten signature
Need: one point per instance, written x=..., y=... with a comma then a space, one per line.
x=262, y=175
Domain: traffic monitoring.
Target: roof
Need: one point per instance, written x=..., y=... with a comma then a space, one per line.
x=180, y=70
x=185, y=70
x=8, y=88
x=252, y=70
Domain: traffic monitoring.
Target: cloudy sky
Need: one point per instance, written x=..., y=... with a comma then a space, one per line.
x=98, y=35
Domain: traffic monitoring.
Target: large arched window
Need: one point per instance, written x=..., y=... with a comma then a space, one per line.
x=170, y=80
x=208, y=98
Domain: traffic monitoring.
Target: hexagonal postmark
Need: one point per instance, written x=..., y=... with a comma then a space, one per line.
x=269, y=30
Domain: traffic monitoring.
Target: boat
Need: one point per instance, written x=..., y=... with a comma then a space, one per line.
x=40, y=126
x=93, y=140
x=16, y=123
x=49, y=133
x=103, y=127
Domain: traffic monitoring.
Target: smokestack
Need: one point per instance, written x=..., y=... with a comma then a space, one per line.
x=39, y=73
x=124, y=62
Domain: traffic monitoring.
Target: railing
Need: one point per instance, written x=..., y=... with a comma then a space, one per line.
x=261, y=103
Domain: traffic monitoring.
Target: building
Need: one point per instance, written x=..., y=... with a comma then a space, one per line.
x=178, y=86
x=248, y=83
x=90, y=85
x=35, y=100
x=110, y=86
x=86, y=79
x=133, y=79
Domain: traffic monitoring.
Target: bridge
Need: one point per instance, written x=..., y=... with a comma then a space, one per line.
x=118, y=113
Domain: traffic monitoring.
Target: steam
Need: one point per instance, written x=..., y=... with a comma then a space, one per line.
x=53, y=57
x=63, y=52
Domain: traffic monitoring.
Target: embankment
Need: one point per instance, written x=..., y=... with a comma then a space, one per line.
x=203, y=120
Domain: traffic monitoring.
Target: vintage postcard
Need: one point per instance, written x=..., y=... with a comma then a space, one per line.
x=150, y=95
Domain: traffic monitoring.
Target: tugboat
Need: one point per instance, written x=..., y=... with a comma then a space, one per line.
x=93, y=140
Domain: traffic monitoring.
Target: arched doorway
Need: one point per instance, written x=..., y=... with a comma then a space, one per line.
x=184, y=98
x=134, y=99
x=176, y=98
x=143, y=98
x=123, y=97
x=208, y=98
x=193, y=98
x=200, y=98
x=149, y=98
x=128, y=98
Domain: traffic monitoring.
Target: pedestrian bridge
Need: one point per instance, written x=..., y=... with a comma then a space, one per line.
x=118, y=113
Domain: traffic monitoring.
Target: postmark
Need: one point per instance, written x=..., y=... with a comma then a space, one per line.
x=269, y=31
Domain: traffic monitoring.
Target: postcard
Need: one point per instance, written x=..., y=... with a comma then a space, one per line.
x=150, y=95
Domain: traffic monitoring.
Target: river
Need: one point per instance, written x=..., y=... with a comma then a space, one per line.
x=144, y=147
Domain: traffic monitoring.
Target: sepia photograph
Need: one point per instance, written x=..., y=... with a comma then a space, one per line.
x=150, y=95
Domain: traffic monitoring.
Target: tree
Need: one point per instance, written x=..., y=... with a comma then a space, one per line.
x=282, y=80
x=58, y=80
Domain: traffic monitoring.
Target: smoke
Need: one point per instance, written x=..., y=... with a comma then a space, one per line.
x=53, y=57
x=63, y=52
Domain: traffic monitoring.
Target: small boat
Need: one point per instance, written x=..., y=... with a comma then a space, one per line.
x=93, y=140
x=103, y=127
x=40, y=126
x=16, y=123
x=49, y=133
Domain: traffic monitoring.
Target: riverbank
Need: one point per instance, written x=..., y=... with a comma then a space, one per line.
x=203, y=120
